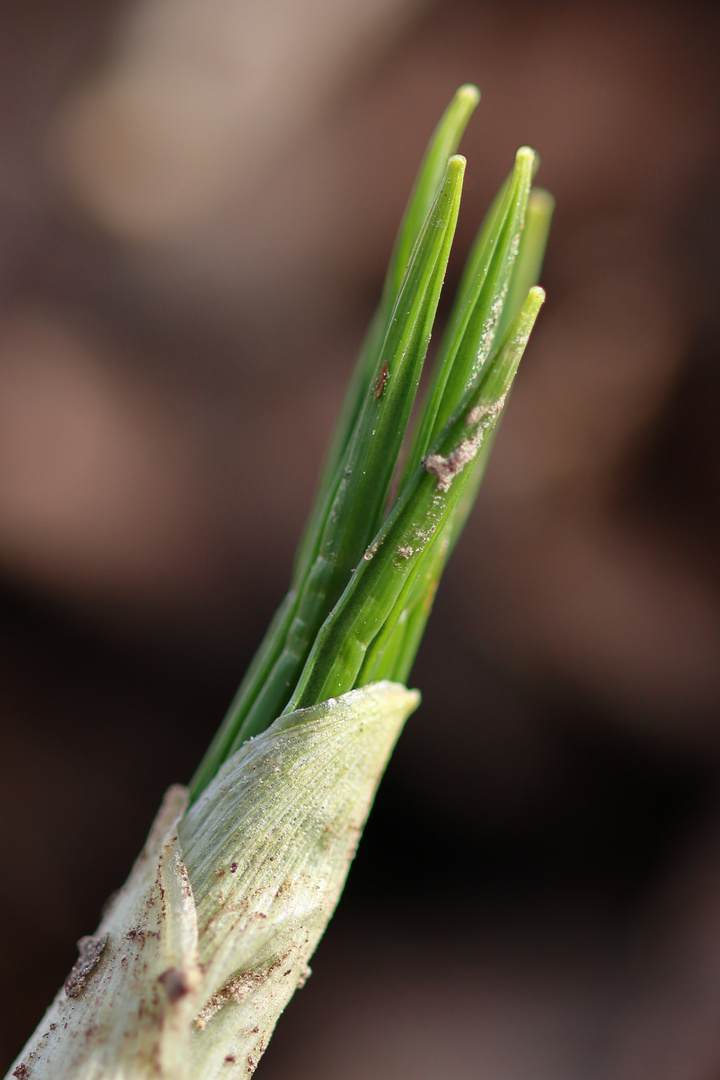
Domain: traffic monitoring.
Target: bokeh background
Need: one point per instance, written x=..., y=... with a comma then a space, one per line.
x=197, y=199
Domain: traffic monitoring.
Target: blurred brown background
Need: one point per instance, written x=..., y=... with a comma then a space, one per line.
x=197, y=199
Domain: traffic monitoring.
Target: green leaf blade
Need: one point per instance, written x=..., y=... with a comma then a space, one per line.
x=531, y=253
x=477, y=311
x=443, y=144
x=415, y=523
x=355, y=505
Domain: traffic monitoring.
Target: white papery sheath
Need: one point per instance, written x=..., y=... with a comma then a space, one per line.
x=204, y=945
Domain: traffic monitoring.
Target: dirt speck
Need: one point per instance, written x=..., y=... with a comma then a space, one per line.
x=90, y=950
x=381, y=380
x=370, y=552
x=175, y=984
x=304, y=976
x=234, y=991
